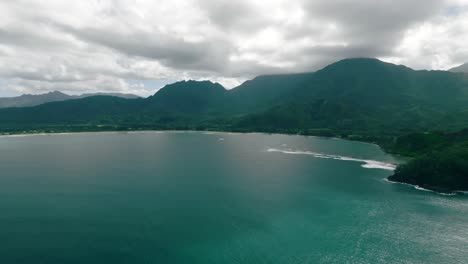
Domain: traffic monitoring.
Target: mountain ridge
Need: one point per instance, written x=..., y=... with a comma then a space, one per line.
x=29, y=100
x=358, y=95
x=460, y=69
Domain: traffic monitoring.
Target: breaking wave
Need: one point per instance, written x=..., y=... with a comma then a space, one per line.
x=419, y=188
x=368, y=164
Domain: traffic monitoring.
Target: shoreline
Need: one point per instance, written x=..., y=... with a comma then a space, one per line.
x=419, y=188
x=399, y=158
x=416, y=187
x=188, y=131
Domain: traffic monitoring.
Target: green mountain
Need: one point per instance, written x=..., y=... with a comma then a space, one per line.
x=368, y=96
x=80, y=111
x=350, y=97
x=187, y=98
x=262, y=92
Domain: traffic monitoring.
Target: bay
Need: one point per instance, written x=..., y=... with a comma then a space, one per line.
x=184, y=197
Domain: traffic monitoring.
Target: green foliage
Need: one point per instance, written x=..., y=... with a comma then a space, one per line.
x=443, y=170
x=367, y=96
x=421, y=143
x=440, y=163
x=262, y=92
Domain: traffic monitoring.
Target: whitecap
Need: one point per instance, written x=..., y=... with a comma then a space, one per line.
x=419, y=188
x=368, y=164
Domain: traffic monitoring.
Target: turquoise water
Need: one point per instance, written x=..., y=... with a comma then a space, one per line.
x=216, y=198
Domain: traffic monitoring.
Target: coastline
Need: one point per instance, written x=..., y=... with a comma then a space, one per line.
x=417, y=187
x=134, y=131
x=420, y=188
x=28, y=133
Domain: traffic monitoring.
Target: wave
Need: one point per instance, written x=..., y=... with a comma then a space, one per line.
x=419, y=188
x=368, y=164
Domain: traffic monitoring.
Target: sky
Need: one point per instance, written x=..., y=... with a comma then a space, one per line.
x=137, y=46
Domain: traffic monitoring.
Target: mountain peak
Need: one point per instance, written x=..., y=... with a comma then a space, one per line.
x=361, y=61
x=200, y=83
x=367, y=65
x=191, y=85
x=188, y=96
x=55, y=92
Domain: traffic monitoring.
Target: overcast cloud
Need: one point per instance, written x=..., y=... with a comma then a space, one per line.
x=136, y=46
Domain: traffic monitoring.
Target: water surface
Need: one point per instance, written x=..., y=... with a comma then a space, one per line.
x=216, y=198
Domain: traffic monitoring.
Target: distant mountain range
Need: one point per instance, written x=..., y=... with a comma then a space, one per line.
x=461, y=68
x=349, y=97
x=34, y=100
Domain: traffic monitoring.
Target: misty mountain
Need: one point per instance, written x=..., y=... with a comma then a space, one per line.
x=120, y=95
x=56, y=96
x=462, y=68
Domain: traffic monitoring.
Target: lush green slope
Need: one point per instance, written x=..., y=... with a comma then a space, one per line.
x=187, y=98
x=372, y=83
x=441, y=162
x=72, y=111
x=370, y=96
x=351, y=97
x=262, y=92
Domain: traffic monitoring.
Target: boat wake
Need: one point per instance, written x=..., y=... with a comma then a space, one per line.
x=368, y=164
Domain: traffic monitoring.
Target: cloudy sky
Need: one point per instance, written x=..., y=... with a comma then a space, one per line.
x=137, y=46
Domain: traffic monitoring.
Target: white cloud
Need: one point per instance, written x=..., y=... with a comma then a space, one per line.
x=439, y=43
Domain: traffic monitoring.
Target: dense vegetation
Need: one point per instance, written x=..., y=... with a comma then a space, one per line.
x=441, y=162
x=360, y=99
x=354, y=97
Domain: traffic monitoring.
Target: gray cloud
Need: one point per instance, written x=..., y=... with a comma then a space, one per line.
x=168, y=49
x=87, y=46
x=235, y=15
x=372, y=28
